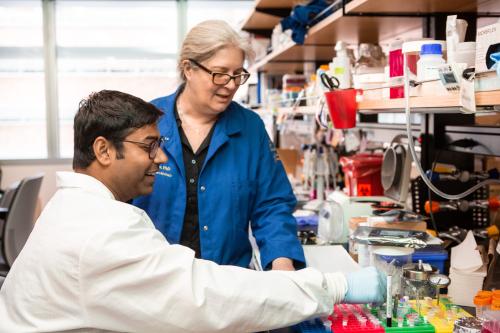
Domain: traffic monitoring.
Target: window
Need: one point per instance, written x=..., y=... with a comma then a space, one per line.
x=22, y=81
x=120, y=45
x=89, y=45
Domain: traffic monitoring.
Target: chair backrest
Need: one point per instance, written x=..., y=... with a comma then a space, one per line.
x=20, y=218
x=6, y=201
x=9, y=194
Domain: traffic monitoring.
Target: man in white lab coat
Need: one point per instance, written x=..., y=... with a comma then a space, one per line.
x=94, y=263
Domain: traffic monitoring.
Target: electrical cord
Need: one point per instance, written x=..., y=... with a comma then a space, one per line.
x=411, y=145
x=429, y=192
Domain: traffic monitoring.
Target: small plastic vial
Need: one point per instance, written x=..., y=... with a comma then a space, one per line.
x=400, y=321
x=482, y=304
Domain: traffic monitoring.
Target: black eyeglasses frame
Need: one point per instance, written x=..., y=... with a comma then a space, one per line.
x=243, y=77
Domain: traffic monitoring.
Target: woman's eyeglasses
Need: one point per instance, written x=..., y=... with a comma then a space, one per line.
x=151, y=148
x=221, y=79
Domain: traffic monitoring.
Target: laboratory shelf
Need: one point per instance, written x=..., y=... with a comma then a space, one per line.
x=258, y=22
x=418, y=6
x=275, y=3
x=360, y=21
x=428, y=104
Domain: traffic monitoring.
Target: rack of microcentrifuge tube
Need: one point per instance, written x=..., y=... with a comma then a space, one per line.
x=433, y=318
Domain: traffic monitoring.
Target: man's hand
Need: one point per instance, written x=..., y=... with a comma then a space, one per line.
x=282, y=264
x=366, y=285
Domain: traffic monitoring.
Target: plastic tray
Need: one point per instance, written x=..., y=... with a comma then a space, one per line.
x=346, y=312
x=420, y=326
x=442, y=320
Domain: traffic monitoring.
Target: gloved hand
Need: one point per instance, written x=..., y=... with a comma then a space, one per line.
x=366, y=285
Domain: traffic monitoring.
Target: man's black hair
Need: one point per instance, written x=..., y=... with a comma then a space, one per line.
x=111, y=114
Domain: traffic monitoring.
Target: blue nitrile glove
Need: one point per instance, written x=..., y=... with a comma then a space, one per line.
x=366, y=286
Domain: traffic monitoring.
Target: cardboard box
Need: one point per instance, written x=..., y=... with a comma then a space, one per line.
x=290, y=159
x=418, y=226
x=487, y=42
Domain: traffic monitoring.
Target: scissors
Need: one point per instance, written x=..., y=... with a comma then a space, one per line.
x=330, y=82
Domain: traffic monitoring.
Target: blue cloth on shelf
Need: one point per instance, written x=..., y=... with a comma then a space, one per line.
x=302, y=17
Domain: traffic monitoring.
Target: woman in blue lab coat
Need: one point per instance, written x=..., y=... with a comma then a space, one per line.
x=223, y=173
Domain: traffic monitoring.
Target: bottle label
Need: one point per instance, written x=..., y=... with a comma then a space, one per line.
x=339, y=70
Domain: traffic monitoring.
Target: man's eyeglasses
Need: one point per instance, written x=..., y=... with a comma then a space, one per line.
x=151, y=148
x=221, y=79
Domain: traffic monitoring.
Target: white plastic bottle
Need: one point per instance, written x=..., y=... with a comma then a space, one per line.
x=431, y=59
x=340, y=67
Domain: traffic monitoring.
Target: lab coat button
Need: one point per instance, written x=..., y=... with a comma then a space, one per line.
x=202, y=188
x=191, y=180
x=205, y=228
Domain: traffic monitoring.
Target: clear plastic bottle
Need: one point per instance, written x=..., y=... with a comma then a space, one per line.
x=492, y=318
x=431, y=59
x=482, y=304
x=340, y=67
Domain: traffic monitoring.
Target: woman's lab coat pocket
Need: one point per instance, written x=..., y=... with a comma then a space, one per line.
x=243, y=193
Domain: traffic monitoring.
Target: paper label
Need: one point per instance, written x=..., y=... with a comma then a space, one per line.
x=339, y=70
x=364, y=190
x=467, y=96
x=427, y=267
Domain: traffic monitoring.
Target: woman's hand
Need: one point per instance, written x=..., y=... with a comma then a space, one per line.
x=282, y=264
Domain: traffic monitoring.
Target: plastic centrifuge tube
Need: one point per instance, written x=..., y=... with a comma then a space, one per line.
x=400, y=321
x=388, y=307
x=411, y=320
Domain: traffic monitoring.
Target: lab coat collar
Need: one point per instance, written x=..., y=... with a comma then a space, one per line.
x=66, y=179
x=228, y=124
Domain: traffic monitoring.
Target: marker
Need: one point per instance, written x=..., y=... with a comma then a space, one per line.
x=388, y=313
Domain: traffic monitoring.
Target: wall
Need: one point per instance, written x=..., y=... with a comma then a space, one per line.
x=15, y=172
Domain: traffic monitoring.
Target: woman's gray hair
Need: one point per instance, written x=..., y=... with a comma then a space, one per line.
x=208, y=37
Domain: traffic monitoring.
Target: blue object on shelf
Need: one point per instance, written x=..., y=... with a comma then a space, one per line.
x=434, y=257
x=306, y=223
x=307, y=220
x=311, y=326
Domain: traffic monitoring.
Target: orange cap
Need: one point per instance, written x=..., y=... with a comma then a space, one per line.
x=492, y=231
x=496, y=294
x=478, y=300
x=435, y=207
x=484, y=293
x=494, y=203
x=495, y=305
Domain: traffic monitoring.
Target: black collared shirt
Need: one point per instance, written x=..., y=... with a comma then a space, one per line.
x=193, y=162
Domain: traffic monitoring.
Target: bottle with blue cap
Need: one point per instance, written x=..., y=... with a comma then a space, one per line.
x=431, y=59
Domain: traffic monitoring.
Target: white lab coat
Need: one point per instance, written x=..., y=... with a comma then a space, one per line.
x=95, y=264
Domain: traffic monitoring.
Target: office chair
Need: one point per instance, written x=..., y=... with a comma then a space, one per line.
x=19, y=219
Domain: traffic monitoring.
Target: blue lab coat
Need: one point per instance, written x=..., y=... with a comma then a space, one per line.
x=242, y=181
